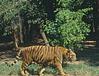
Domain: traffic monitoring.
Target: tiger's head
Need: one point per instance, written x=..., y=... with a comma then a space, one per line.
x=70, y=55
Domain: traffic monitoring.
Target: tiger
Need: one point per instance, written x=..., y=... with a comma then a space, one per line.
x=45, y=56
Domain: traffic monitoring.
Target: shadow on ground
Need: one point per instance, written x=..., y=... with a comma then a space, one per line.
x=90, y=55
x=7, y=51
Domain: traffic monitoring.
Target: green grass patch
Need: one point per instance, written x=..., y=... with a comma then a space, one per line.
x=9, y=70
x=81, y=69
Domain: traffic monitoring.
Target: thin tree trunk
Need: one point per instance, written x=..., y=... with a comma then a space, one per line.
x=15, y=39
x=15, y=35
x=97, y=22
x=20, y=28
x=44, y=36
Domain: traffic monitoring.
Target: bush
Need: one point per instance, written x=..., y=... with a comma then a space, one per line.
x=68, y=29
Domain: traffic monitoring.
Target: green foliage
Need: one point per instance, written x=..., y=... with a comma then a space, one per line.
x=69, y=4
x=31, y=11
x=9, y=9
x=72, y=29
x=68, y=29
x=34, y=12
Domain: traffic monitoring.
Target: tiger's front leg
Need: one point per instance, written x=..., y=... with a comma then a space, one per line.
x=24, y=69
x=41, y=72
x=60, y=69
x=41, y=69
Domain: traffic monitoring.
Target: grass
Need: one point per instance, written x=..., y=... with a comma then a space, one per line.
x=81, y=69
x=9, y=70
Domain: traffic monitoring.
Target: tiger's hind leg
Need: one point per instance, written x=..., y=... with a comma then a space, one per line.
x=24, y=69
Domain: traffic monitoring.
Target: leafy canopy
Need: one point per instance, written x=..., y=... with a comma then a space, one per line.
x=68, y=29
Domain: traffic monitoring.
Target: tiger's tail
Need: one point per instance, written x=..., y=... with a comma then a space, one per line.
x=16, y=60
x=18, y=56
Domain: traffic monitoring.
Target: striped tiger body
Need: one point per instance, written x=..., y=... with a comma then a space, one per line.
x=45, y=55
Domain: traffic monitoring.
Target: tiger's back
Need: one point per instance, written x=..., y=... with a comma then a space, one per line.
x=41, y=54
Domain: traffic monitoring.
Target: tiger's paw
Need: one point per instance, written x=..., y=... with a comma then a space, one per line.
x=24, y=74
x=41, y=74
x=65, y=74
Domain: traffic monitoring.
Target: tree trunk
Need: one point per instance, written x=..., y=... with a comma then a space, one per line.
x=20, y=29
x=97, y=22
x=14, y=31
x=44, y=36
x=17, y=31
x=15, y=39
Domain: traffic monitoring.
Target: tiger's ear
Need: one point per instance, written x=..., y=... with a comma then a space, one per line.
x=69, y=50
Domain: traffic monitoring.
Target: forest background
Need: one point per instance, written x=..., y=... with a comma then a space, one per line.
x=69, y=23
x=58, y=22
